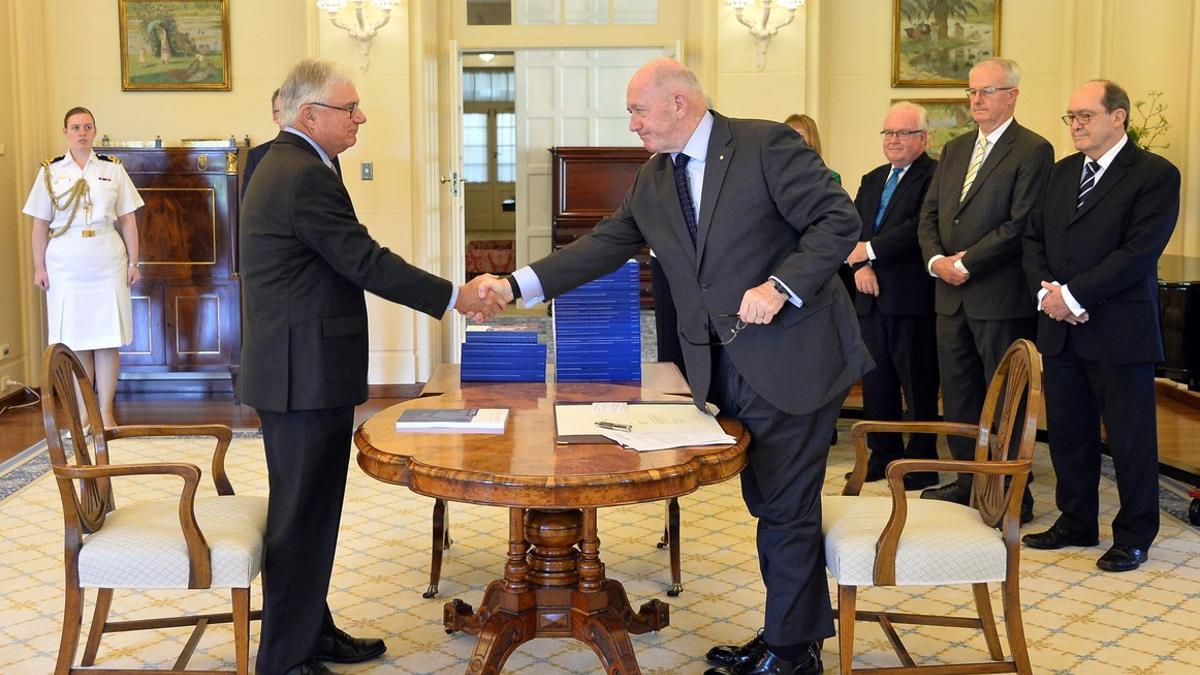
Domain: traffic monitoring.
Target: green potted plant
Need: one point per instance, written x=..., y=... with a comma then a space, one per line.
x=1153, y=123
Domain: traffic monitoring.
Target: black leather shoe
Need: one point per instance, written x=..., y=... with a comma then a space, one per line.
x=919, y=480
x=770, y=664
x=337, y=646
x=309, y=667
x=1122, y=558
x=1026, y=513
x=731, y=656
x=948, y=493
x=1057, y=537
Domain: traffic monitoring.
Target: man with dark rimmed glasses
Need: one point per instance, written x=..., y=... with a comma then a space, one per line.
x=750, y=228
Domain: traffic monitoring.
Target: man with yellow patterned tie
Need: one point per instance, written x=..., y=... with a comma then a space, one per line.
x=970, y=230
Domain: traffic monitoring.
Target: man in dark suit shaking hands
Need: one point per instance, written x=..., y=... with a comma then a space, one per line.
x=975, y=213
x=1091, y=254
x=895, y=294
x=305, y=262
x=750, y=229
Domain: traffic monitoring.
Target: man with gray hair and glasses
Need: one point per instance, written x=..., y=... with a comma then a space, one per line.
x=975, y=213
x=305, y=262
x=895, y=294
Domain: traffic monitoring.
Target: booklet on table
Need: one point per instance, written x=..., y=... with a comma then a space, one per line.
x=462, y=420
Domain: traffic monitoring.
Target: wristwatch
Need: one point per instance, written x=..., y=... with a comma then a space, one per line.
x=780, y=288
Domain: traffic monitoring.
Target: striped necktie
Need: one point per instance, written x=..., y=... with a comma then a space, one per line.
x=973, y=170
x=1090, y=169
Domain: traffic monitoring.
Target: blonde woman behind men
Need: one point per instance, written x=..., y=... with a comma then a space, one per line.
x=85, y=253
x=807, y=128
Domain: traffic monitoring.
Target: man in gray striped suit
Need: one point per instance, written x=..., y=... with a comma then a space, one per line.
x=975, y=213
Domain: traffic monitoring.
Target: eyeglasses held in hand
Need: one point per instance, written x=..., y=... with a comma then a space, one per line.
x=737, y=329
x=902, y=134
x=985, y=91
x=351, y=108
x=1081, y=117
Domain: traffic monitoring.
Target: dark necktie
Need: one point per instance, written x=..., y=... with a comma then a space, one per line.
x=888, y=188
x=685, y=194
x=1088, y=182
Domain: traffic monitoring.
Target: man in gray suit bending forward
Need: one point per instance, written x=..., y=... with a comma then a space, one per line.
x=750, y=228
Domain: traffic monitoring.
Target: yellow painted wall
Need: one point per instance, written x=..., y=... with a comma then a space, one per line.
x=266, y=37
x=832, y=62
x=11, y=226
x=1059, y=44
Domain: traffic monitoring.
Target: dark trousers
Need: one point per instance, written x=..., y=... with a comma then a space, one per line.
x=905, y=378
x=666, y=319
x=781, y=485
x=308, y=452
x=1079, y=394
x=968, y=352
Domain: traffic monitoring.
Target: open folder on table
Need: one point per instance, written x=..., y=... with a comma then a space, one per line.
x=639, y=426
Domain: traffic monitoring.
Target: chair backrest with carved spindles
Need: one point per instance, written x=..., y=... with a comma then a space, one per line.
x=85, y=506
x=1009, y=419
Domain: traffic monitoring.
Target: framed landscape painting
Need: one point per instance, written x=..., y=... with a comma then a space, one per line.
x=948, y=117
x=174, y=45
x=935, y=42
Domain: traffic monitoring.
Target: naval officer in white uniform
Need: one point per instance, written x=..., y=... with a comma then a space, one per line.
x=85, y=252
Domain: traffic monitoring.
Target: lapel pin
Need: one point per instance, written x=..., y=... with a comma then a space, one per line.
x=721, y=157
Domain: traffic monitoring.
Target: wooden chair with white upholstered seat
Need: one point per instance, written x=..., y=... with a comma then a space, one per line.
x=894, y=541
x=180, y=542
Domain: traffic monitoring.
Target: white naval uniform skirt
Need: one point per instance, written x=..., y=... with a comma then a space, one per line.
x=87, y=304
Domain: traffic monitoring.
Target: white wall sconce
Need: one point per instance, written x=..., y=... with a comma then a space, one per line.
x=760, y=29
x=368, y=22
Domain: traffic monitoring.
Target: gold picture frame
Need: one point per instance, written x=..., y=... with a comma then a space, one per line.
x=174, y=45
x=935, y=42
x=948, y=118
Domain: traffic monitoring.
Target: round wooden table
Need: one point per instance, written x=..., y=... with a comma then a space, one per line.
x=554, y=582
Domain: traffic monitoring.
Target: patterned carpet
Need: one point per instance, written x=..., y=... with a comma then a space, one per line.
x=1078, y=620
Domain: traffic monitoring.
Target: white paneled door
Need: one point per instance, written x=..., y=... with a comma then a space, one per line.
x=565, y=98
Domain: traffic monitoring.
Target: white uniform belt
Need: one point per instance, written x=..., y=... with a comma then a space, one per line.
x=77, y=231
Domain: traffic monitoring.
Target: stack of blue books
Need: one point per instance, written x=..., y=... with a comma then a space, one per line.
x=597, y=331
x=503, y=353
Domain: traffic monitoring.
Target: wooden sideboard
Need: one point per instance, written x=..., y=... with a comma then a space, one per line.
x=588, y=185
x=186, y=308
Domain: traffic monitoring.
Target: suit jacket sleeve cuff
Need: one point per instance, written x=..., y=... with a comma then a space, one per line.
x=1073, y=304
x=792, y=298
x=531, y=286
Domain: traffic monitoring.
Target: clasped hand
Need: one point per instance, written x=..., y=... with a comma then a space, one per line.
x=947, y=271
x=478, y=299
x=1055, y=305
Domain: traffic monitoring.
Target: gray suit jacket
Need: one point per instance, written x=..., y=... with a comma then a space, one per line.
x=988, y=224
x=769, y=207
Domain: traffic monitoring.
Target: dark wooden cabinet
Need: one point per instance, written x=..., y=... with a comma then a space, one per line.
x=1179, y=313
x=588, y=185
x=186, y=308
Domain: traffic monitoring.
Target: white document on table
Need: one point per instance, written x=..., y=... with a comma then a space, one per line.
x=651, y=426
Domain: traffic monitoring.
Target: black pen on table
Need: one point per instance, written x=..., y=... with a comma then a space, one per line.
x=614, y=426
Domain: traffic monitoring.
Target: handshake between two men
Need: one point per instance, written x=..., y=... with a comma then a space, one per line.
x=483, y=297
x=486, y=295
